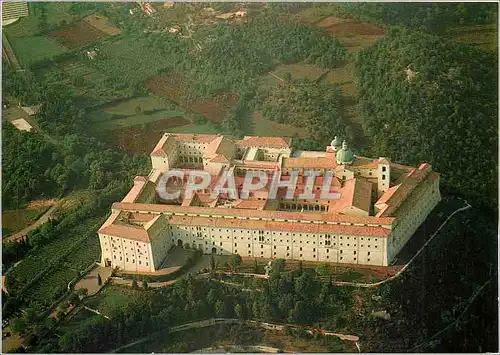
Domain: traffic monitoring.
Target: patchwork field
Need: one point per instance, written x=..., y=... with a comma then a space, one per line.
x=83, y=80
x=102, y=23
x=78, y=35
x=173, y=87
x=133, y=112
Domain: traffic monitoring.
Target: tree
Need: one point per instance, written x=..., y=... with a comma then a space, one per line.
x=99, y=280
x=82, y=292
x=323, y=270
x=213, y=264
x=135, y=286
x=238, y=310
x=219, y=308
x=255, y=267
x=144, y=284
x=18, y=325
x=234, y=262
x=278, y=266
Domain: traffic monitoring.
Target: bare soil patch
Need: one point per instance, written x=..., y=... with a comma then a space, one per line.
x=102, y=23
x=172, y=86
x=77, y=36
x=339, y=26
x=41, y=203
x=142, y=139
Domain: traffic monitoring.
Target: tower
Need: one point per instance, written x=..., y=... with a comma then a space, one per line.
x=384, y=175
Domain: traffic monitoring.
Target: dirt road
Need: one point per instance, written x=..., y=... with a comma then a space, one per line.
x=21, y=234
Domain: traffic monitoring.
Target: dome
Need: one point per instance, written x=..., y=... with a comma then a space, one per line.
x=344, y=155
x=336, y=142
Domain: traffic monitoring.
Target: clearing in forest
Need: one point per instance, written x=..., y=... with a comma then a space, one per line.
x=173, y=87
x=142, y=139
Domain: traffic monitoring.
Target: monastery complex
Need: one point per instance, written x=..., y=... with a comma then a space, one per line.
x=380, y=205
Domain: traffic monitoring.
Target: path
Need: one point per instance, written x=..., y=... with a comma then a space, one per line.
x=43, y=219
x=376, y=284
x=9, y=53
x=214, y=321
x=96, y=312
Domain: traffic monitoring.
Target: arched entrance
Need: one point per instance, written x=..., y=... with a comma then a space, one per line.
x=214, y=250
x=179, y=243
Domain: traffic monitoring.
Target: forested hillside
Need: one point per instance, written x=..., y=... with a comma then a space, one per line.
x=425, y=99
x=432, y=17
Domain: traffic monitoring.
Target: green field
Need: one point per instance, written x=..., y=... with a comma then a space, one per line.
x=133, y=112
x=112, y=297
x=30, y=50
x=74, y=321
x=15, y=220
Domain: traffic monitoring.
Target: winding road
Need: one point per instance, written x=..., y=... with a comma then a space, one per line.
x=213, y=321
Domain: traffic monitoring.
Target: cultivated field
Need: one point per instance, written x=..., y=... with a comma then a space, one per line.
x=77, y=36
x=142, y=139
x=102, y=23
x=82, y=80
x=173, y=87
x=133, y=112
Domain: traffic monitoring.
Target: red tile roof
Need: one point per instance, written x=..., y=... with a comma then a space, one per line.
x=127, y=232
x=270, y=142
x=309, y=216
x=280, y=226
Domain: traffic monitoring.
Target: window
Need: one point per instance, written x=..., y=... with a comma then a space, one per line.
x=300, y=248
x=383, y=168
x=355, y=252
x=262, y=247
x=235, y=244
x=314, y=249
x=368, y=253
x=368, y=259
x=341, y=252
x=383, y=176
x=249, y=245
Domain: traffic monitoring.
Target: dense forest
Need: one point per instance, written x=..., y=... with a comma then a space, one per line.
x=295, y=297
x=431, y=17
x=426, y=99
x=314, y=106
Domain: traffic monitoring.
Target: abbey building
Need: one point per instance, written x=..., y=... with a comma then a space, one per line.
x=378, y=205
